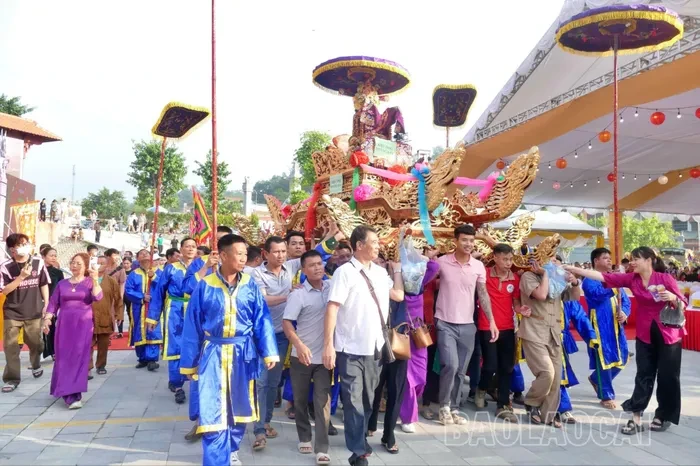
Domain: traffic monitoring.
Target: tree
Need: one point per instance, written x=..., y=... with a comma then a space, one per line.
x=277, y=186
x=144, y=173
x=184, y=196
x=13, y=106
x=228, y=207
x=204, y=170
x=636, y=232
x=437, y=151
x=311, y=141
x=297, y=196
x=108, y=204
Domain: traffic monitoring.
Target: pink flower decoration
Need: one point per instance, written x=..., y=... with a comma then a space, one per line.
x=363, y=192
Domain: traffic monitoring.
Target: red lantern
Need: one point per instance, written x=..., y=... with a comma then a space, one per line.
x=611, y=177
x=697, y=112
x=500, y=165
x=695, y=172
x=358, y=158
x=556, y=185
x=561, y=163
x=604, y=136
x=657, y=118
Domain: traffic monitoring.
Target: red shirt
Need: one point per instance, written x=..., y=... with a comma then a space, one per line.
x=502, y=292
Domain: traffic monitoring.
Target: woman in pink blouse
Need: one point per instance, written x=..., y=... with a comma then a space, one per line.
x=658, y=354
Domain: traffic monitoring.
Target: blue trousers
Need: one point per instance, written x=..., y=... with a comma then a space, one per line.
x=147, y=353
x=174, y=376
x=565, y=401
x=605, y=389
x=517, y=381
x=267, y=384
x=194, y=400
x=218, y=446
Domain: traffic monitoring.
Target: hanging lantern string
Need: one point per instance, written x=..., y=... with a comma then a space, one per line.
x=634, y=176
x=589, y=143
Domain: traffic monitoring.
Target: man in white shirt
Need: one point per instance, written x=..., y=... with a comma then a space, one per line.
x=353, y=329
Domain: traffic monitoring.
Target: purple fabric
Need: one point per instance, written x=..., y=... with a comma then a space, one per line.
x=451, y=106
x=390, y=117
x=344, y=79
x=418, y=364
x=72, y=398
x=598, y=37
x=73, y=342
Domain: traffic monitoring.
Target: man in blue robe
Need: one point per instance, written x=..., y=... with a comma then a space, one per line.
x=227, y=329
x=572, y=311
x=608, y=310
x=138, y=289
x=168, y=305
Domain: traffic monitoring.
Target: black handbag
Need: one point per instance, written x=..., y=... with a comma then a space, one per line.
x=672, y=315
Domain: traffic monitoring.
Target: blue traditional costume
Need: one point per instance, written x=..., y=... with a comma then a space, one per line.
x=146, y=342
x=168, y=305
x=227, y=329
x=612, y=354
x=572, y=311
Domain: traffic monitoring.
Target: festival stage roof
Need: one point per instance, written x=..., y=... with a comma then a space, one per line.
x=561, y=102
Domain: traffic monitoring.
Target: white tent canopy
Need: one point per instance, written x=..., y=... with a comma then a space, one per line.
x=551, y=77
x=161, y=210
x=575, y=233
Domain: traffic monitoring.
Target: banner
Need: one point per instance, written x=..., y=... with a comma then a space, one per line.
x=25, y=216
x=200, y=226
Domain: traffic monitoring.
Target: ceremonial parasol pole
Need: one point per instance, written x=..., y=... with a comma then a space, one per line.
x=214, y=153
x=159, y=184
x=614, y=30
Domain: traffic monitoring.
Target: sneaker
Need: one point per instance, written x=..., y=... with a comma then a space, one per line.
x=457, y=419
x=480, y=399
x=76, y=405
x=141, y=364
x=180, y=396
x=567, y=418
x=152, y=366
x=445, y=417
x=332, y=430
x=507, y=415
x=470, y=397
x=409, y=428
x=234, y=459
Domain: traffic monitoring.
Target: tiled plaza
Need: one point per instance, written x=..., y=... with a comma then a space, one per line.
x=130, y=418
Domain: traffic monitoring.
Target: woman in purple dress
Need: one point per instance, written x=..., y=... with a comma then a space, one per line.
x=418, y=364
x=73, y=297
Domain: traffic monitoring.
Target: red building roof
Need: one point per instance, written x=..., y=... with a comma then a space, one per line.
x=28, y=129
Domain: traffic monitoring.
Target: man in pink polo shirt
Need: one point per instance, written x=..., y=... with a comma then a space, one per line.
x=461, y=279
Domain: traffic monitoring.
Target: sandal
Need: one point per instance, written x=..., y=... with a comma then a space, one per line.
x=270, y=432
x=608, y=404
x=305, y=448
x=657, y=425
x=370, y=433
x=632, y=428
x=323, y=458
x=260, y=442
x=535, y=416
x=9, y=387
x=394, y=449
x=101, y=371
x=556, y=422
x=290, y=413
x=37, y=373
x=427, y=414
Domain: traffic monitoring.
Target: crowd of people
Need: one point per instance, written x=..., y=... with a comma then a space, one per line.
x=244, y=323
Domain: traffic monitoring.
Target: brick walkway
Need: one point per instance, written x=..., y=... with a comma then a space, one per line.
x=130, y=418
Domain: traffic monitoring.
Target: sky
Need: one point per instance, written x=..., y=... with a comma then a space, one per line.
x=100, y=72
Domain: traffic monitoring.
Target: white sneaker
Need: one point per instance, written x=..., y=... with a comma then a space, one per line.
x=457, y=419
x=76, y=405
x=234, y=459
x=445, y=416
x=409, y=428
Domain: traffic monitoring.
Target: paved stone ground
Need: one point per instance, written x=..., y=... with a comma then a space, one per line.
x=130, y=418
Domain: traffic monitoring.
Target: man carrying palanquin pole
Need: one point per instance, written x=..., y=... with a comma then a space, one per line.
x=146, y=341
x=227, y=328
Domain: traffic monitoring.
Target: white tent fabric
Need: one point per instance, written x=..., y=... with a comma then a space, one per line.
x=577, y=232
x=628, y=213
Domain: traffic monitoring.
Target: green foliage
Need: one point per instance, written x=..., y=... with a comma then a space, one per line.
x=297, y=196
x=13, y=106
x=179, y=220
x=650, y=232
x=311, y=141
x=228, y=207
x=277, y=186
x=204, y=170
x=108, y=204
x=144, y=173
x=437, y=151
x=255, y=220
x=184, y=196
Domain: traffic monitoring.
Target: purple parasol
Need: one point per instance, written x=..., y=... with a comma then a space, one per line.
x=177, y=120
x=614, y=30
x=639, y=28
x=451, y=104
x=342, y=75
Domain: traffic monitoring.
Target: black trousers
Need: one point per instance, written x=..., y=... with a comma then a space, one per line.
x=661, y=362
x=499, y=359
x=432, y=383
x=394, y=375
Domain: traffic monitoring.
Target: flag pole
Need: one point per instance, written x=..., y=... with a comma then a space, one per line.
x=214, y=152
